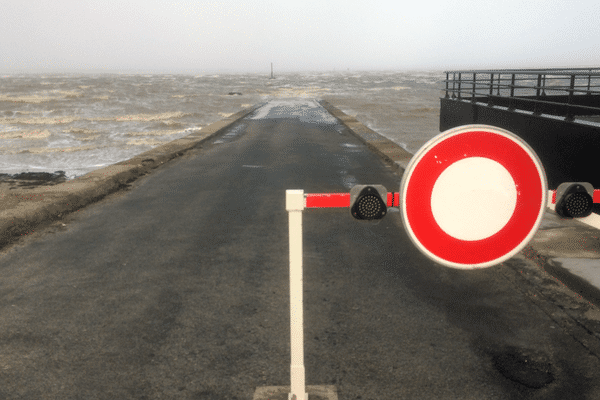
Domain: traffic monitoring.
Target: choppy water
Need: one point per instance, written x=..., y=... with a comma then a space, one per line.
x=79, y=123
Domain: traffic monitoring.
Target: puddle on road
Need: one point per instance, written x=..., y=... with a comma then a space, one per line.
x=527, y=368
x=349, y=181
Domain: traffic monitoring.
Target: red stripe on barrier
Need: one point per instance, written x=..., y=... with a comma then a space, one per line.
x=333, y=200
x=395, y=197
x=327, y=200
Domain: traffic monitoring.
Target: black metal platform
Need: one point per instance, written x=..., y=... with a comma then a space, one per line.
x=556, y=111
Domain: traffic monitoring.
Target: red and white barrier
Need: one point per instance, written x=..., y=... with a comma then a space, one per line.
x=340, y=200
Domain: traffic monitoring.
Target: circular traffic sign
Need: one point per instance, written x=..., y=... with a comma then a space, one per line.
x=473, y=196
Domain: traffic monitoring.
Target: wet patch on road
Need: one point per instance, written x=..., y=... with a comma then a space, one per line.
x=352, y=148
x=231, y=134
x=528, y=368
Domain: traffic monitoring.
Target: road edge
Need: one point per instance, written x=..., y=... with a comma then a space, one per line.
x=390, y=152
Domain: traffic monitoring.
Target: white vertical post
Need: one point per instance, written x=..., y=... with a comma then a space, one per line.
x=294, y=204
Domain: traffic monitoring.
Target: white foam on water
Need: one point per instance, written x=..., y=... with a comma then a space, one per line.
x=305, y=110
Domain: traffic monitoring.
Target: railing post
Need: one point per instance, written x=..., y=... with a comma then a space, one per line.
x=474, y=87
x=511, y=101
x=569, y=116
x=459, y=82
x=512, y=85
x=447, y=76
x=454, y=85
x=536, y=110
x=544, y=86
x=499, y=83
x=490, y=101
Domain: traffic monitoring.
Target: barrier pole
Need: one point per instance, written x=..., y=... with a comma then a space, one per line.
x=294, y=204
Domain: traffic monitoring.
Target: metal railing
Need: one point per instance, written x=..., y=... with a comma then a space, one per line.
x=563, y=92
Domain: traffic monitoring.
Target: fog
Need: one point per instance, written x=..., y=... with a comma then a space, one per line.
x=232, y=36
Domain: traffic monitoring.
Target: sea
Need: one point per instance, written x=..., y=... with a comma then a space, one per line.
x=78, y=123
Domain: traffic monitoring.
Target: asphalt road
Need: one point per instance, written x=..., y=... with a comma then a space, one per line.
x=178, y=288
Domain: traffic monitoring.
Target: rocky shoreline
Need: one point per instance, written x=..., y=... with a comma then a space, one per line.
x=33, y=179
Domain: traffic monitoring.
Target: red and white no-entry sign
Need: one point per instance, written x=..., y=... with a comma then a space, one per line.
x=473, y=196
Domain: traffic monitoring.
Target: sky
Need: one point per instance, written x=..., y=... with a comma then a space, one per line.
x=236, y=36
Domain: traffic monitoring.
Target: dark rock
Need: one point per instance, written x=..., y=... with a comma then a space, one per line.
x=40, y=176
x=234, y=94
x=31, y=180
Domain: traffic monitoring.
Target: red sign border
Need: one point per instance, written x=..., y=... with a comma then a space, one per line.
x=438, y=154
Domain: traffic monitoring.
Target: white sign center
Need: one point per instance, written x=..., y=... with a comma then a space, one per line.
x=473, y=198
